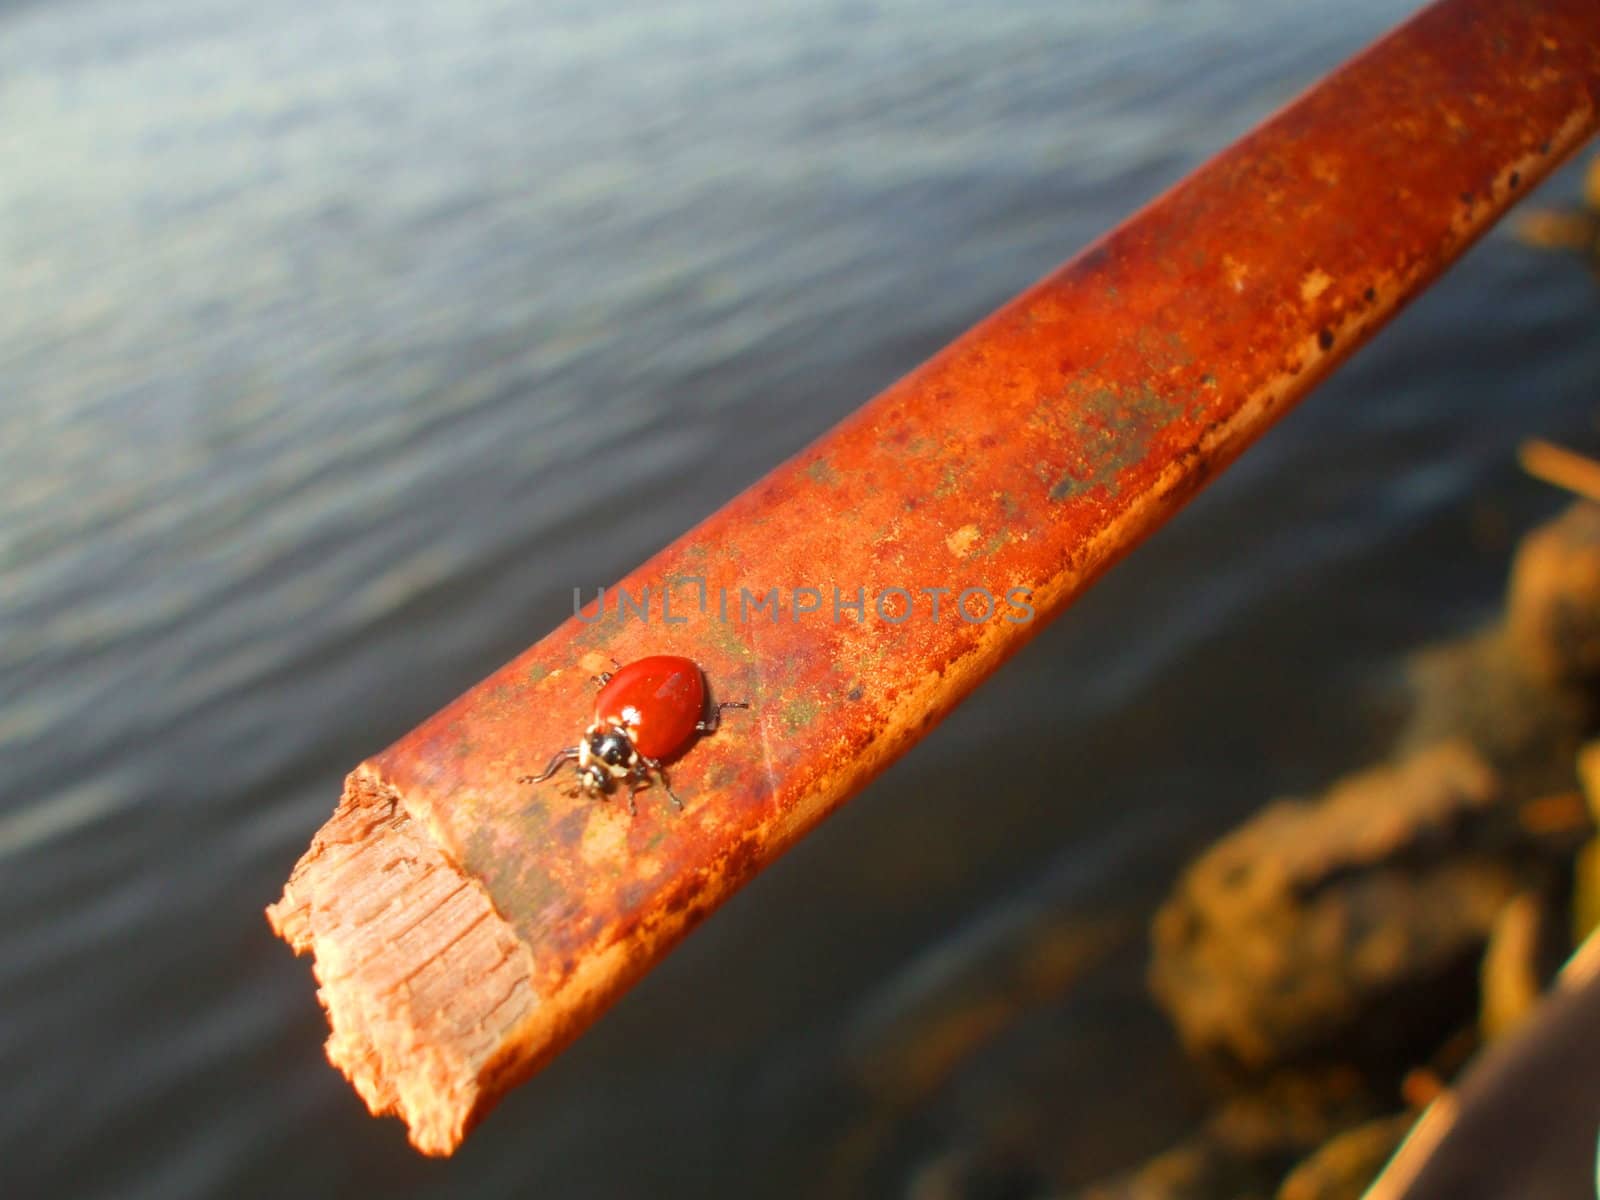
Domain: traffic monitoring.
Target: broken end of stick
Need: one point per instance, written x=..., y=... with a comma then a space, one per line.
x=428, y=991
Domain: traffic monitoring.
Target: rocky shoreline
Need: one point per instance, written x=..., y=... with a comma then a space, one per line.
x=1334, y=962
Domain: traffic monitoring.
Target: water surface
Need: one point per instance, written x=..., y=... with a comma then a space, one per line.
x=340, y=340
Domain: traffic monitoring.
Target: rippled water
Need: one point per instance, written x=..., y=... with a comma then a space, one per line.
x=339, y=340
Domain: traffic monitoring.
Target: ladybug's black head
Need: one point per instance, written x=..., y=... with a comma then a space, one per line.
x=612, y=747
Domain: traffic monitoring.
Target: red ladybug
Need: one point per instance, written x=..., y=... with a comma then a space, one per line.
x=646, y=711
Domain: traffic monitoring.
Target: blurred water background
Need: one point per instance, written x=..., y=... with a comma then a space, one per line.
x=340, y=339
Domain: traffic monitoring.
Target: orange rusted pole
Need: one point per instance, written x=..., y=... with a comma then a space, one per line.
x=466, y=926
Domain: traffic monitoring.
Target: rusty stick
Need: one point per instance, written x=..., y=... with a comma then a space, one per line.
x=465, y=926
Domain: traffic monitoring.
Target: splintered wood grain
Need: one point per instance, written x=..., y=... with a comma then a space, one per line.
x=465, y=926
x=421, y=978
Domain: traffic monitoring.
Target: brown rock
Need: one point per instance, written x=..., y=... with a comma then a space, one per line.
x=1356, y=918
x=1526, y=946
x=1553, y=611
x=1480, y=688
x=1196, y=1169
x=1589, y=777
x=1586, y=890
x=1244, y=1149
x=1343, y=1168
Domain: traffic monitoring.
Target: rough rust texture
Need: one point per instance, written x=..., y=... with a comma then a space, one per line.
x=1030, y=453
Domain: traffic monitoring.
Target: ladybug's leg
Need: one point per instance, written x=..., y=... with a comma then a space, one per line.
x=562, y=757
x=646, y=765
x=709, y=725
x=640, y=776
x=604, y=677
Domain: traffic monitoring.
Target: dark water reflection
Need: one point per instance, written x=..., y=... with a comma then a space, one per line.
x=340, y=340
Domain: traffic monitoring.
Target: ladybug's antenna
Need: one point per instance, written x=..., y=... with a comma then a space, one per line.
x=562, y=757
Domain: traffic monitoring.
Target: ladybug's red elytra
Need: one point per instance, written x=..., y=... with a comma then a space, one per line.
x=646, y=711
